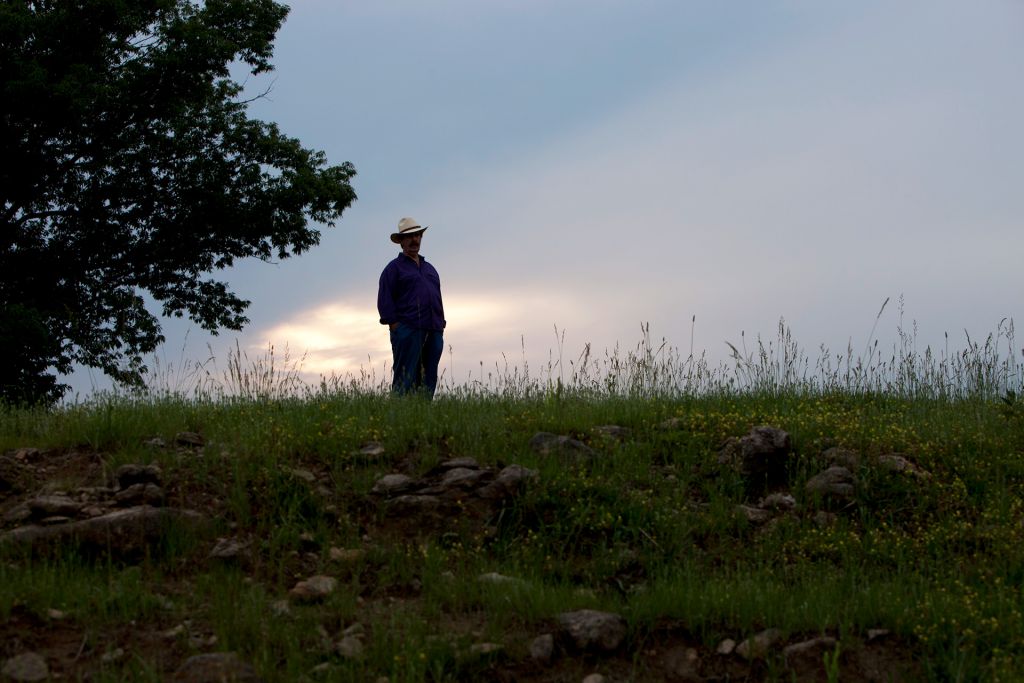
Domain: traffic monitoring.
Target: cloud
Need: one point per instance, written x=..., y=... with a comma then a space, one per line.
x=345, y=337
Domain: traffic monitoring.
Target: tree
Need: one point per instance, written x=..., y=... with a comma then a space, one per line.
x=129, y=166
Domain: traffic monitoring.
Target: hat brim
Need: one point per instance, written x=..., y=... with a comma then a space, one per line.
x=396, y=237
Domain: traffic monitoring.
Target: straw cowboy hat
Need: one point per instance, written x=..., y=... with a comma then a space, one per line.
x=407, y=226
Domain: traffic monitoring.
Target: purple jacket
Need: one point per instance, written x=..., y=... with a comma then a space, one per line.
x=410, y=294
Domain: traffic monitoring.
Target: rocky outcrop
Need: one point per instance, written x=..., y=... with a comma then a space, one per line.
x=121, y=533
x=762, y=454
x=454, y=487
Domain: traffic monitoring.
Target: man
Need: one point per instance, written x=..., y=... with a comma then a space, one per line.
x=409, y=303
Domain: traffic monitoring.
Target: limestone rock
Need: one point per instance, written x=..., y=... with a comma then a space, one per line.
x=140, y=494
x=12, y=474
x=835, y=484
x=48, y=506
x=480, y=650
x=129, y=475
x=754, y=515
x=726, y=647
x=189, y=439
x=372, y=450
x=895, y=462
x=216, y=667
x=414, y=505
x=759, y=645
x=229, y=549
x=546, y=443
x=683, y=664
x=461, y=477
x=763, y=452
x=313, y=589
x=123, y=532
x=346, y=555
x=593, y=630
x=542, y=648
x=391, y=484
x=26, y=667
x=782, y=502
x=496, y=579
x=509, y=481
x=350, y=647
x=809, y=652
x=843, y=457
x=594, y=678
x=466, y=462
x=613, y=432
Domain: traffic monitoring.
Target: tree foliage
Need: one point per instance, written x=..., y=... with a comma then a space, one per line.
x=129, y=166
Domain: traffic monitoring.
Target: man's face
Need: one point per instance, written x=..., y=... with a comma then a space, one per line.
x=411, y=244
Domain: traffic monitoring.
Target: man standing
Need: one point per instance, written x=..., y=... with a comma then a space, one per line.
x=409, y=303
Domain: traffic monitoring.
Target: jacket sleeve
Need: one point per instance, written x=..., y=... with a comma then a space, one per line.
x=386, y=296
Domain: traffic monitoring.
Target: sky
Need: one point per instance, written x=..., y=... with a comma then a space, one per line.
x=588, y=166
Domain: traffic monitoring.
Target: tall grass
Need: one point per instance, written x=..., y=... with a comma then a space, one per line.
x=986, y=369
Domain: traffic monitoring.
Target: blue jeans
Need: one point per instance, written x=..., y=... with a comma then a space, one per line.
x=415, y=355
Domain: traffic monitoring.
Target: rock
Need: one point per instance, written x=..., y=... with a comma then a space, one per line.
x=414, y=505
x=280, y=608
x=229, y=549
x=594, y=678
x=113, y=656
x=124, y=532
x=726, y=647
x=350, y=647
x=613, y=432
x=825, y=519
x=313, y=589
x=593, y=630
x=28, y=455
x=55, y=614
x=508, y=483
x=26, y=667
x=129, y=475
x=17, y=514
x=496, y=579
x=356, y=629
x=763, y=452
x=843, y=457
x=671, y=424
x=56, y=519
x=12, y=474
x=461, y=477
x=545, y=443
x=808, y=653
x=468, y=463
x=216, y=667
x=189, y=440
x=48, y=506
x=782, y=502
x=391, y=484
x=754, y=515
x=759, y=645
x=877, y=633
x=140, y=494
x=156, y=442
x=682, y=664
x=299, y=473
x=346, y=555
x=895, y=462
x=836, y=484
x=542, y=648
x=486, y=649
x=372, y=450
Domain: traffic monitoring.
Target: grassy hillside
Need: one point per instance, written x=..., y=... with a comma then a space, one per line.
x=913, y=571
